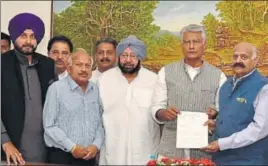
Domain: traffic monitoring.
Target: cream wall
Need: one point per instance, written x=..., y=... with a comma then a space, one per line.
x=40, y=8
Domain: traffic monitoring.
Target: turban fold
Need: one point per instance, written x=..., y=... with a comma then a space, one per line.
x=136, y=45
x=19, y=23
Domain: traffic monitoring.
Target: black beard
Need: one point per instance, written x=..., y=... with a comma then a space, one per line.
x=129, y=71
x=24, y=53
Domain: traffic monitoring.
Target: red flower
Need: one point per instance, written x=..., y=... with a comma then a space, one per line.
x=166, y=160
x=152, y=163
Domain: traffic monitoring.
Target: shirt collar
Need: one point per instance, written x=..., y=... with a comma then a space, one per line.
x=62, y=75
x=74, y=85
x=235, y=80
x=186, y=66
x=24, y=60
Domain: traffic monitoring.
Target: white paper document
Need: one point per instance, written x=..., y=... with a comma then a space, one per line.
x=191, y=132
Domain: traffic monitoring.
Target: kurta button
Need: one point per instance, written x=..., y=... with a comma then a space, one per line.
x=221, y=122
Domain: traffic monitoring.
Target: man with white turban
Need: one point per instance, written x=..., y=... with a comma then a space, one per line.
x=131, y=134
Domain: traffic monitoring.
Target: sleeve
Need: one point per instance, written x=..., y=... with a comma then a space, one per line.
x=100, y=130
x=50, y=114
x=159, y=100
x=255, y=131
x=222, y=80
x=4, y=136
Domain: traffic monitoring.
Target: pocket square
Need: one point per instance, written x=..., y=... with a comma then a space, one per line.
x=241, y=100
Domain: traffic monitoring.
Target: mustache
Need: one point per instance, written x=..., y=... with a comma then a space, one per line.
x=28, y=45
x=105, y=60
x=59, y=61
x=83, y=73
x=239, y=65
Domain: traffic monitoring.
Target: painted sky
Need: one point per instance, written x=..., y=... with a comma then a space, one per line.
x=170, y=15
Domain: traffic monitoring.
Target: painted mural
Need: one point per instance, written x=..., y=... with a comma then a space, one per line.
x=158, y=23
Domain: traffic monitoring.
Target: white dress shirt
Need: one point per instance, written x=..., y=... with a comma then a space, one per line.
x=95, y=75
x=63, y=75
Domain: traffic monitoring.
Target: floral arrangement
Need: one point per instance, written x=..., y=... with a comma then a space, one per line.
x=180, y=162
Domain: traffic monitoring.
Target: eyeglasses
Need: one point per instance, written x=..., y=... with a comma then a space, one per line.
x=125, y=56
x=242, y=56
x=191, y=42
x=57, y=53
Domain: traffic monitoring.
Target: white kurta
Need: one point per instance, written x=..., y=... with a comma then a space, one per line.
x=131, y=134
x=95, y=75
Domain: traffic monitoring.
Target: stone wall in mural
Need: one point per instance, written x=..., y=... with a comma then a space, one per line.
x=158, y=23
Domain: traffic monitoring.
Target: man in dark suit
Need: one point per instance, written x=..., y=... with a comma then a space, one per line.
x=25, y=76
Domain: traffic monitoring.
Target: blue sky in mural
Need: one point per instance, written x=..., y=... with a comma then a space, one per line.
x=170, y=15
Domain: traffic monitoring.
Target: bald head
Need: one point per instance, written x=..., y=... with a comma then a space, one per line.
x=77, y=53
x=79, y=67
x=245, y=59
x=247, y=48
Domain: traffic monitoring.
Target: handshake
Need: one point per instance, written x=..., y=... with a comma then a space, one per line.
x=85, y=153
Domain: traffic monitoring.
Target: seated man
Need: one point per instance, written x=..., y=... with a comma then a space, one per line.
x=72, y=115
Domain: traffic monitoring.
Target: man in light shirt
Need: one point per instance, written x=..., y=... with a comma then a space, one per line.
x=72, y=115
x=105, y=56
x=59, y=49
x=242, y=124
x=188, y=85
x=131, y=134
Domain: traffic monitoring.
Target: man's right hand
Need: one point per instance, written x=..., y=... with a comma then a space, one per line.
x=168, y=114
x=12, y=153
x=79, y=151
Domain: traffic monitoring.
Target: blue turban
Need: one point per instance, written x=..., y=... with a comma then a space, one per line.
x=136, y=45
x=19, y=23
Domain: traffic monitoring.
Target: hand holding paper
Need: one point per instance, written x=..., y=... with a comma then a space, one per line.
x=191, y=132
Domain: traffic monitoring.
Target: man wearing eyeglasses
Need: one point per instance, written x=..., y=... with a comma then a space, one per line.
x=131, y=134
x=242, y=124
x=59, y=49
x=190, y=84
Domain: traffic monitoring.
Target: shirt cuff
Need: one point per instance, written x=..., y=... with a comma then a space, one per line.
x=68, y=145
x=4, y=138
x=224, y=143
x=154, y=111
x=97, y=143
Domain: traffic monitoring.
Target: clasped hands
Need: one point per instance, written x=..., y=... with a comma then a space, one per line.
x=87, y=153
x=172, y=112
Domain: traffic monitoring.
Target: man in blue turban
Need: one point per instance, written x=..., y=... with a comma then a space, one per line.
x=26, y=76
x=131, y=134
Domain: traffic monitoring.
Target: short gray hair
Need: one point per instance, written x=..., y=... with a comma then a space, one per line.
x=81, y=50
x=194, y=28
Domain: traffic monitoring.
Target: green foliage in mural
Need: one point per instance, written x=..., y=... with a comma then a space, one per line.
x=210, y=22
x=87, y=21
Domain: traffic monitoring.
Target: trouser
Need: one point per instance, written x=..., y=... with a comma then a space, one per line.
x=58, y=156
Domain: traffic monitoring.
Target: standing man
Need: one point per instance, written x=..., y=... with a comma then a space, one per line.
x=25, y=77
x=131, y=134
x=242, y=123
x=72, y=115
x=5, y=43
x=188, y=85
x=59, y=48
x=105, y=56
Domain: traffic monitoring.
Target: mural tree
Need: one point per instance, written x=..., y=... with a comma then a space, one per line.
x=87, y=21
x=210, y=22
